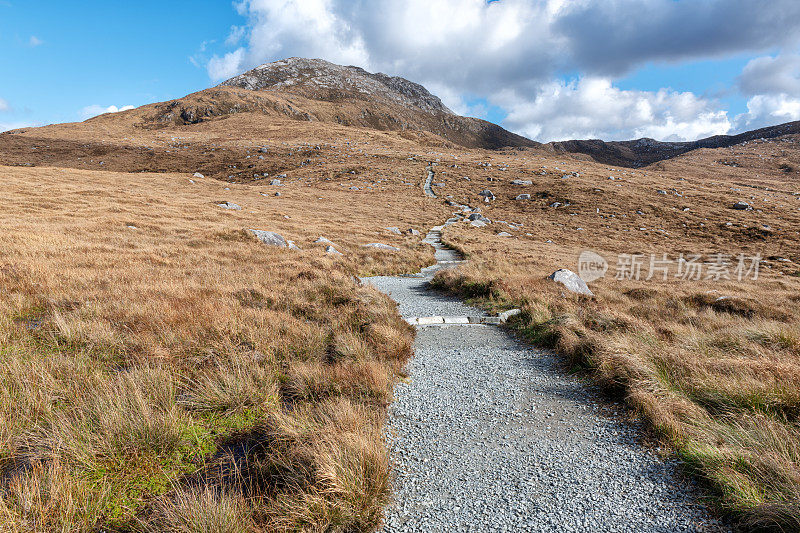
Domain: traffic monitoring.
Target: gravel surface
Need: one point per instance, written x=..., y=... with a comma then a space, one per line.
x=489, y=434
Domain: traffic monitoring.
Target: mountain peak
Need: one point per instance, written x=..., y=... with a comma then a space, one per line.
x=321, y=80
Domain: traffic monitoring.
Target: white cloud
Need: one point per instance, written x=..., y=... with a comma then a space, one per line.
x=226, y=66
x=4, y=105
x=511, y=51
x=773, y=84
x=474, y=44
x=35, y=41
x=236, y=34
x=594, y=108
x=771, y=75
x=768, y=110
x=94, y=110
x=6, y=126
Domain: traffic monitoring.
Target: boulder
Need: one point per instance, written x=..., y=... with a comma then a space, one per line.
x=477, y=223
x=269, y=237
x=412, y=231
x=394, y=230
x=504, y=234
x=486, y=193
x=480, y=217
x=381, y=246
x=521, y=182
x=275, y=182
x=741, y=206
x=323, y=240
x=230, y=205
x=523, y=197
x=571, y=281
x=333, y=251
x=198, y=175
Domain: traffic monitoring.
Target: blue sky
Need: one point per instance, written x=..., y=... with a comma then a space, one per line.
x=549, y=69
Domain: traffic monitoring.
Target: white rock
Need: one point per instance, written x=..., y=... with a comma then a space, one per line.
x=382, y=246
x=571, y=281
x=269, y=237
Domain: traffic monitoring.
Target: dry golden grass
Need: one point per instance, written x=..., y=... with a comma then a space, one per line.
x=137, y=358
x=717, y=378
x=183, y=376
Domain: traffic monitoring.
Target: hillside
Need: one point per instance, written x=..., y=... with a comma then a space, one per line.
x=642, y=152
x=164, y=365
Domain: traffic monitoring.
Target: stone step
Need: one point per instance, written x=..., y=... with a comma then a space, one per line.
x=461, y=320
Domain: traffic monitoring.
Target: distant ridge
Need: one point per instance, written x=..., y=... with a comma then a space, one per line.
x=641, y=152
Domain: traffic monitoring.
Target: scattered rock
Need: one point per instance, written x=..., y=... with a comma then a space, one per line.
x=382, y=246
x=412, y=231
x=477, y=223
x=198, y=175
x=486, y=193
x=275, y=182
x=521, y=182
x=742, y=206
x=323, y=240
x=504, y=234
x=269, y=237
x=331, y=250
x=230, y=205
x=480, y=217
x=523, y=197
x=571, y=281
x=394, y=230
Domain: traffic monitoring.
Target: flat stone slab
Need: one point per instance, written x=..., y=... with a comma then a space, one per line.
x=461, y=320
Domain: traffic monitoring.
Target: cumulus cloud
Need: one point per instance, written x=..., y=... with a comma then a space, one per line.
x=594, y=108
x=771, y=75
x=470, y=43
x=767, y=110
x=519, y=47
x=4, y=105
x=94, y=110
x=226, y=66
x=773, y=84
x=35, y=41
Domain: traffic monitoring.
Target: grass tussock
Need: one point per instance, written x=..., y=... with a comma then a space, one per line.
x=718, y=377
x=182, y=376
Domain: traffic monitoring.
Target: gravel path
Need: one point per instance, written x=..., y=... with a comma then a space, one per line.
x=491, y=435
x=427, y=186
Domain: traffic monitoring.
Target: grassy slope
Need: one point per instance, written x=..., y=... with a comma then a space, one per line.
x=182, y=372
x=718, y=379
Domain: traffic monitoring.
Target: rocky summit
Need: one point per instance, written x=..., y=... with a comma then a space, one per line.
x=321, y=80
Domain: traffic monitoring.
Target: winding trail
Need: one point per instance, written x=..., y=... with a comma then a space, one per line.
x=489, y=434
x=426, y=187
